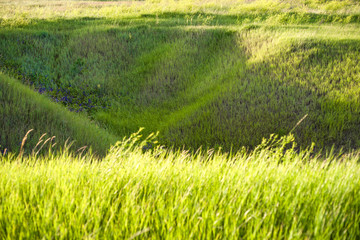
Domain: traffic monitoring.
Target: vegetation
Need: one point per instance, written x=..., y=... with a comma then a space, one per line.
x=270, y=193
x=202, y=73
x=22, y=109
x=207, y=75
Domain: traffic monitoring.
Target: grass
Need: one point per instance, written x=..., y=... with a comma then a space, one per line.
x=272, y=192
x=23, y=109
x=200, y=72
x=206, y=74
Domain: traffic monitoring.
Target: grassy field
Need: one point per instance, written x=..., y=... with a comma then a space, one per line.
x=202, y=73
x=270, y=193
x=210, y=74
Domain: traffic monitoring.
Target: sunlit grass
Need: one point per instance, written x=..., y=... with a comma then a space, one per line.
x=271, y=193
x=114, y=9
x=220, y=74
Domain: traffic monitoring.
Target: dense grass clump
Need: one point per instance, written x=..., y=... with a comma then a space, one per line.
x=22, y=109
x=270, y=193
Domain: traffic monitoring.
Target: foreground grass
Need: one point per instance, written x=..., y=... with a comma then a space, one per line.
x=271, y=193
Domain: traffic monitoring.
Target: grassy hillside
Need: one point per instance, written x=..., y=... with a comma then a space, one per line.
x=266, y=194
x=200, y=72
x=203, y=73
x=22, y=109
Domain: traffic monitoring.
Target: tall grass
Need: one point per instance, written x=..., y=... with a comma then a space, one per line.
x=205, y=73
x=272, y=192
x=23, y=109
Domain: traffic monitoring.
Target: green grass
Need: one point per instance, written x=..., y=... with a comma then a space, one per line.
x=222, y=74
x=202, y=73
x=23, y=109
x=270, y=193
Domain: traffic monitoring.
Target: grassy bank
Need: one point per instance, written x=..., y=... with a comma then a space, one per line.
x=22, y=109
x=270, y=193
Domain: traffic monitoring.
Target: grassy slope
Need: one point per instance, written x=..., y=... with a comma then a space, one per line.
x=200, y=83
x=23, y=109
x=201, y=73
x=267, y=194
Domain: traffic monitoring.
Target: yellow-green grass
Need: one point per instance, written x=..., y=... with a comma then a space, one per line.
x=204, y=73
x=270, y=193
x=22, y=109
x=17, y=11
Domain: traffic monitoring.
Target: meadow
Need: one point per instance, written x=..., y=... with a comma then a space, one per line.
x=256, y=106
